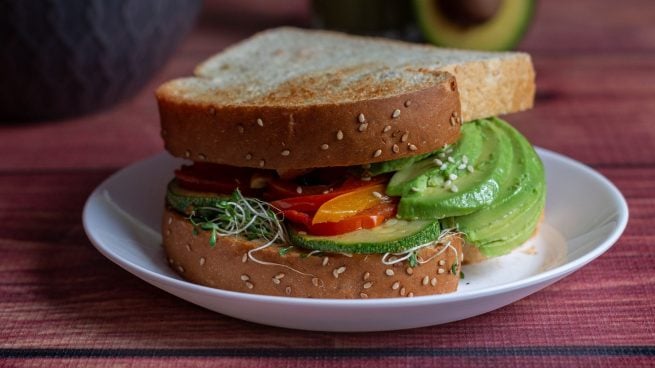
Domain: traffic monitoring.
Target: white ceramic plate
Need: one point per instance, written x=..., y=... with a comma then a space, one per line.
x=585, y=215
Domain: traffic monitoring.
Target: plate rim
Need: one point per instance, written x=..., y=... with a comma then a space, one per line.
x=559, y=271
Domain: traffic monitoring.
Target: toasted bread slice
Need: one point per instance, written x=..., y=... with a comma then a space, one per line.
x=294, y=99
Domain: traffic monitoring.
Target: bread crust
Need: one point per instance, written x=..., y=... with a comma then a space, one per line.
x=226, y=266
x=300, y=137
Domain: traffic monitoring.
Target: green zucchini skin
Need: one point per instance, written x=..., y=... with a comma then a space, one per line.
x=393, y=236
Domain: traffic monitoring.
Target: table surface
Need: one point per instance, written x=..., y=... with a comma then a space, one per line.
x=62, y=303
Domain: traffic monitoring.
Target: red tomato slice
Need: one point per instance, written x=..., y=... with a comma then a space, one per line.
x=366, y=219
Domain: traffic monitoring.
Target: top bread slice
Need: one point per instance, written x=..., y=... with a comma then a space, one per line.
x=290, y=99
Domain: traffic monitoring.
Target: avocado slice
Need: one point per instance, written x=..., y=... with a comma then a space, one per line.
x=472, y=190
x=474, y=24
x=522, y=193
x=418, y=176
x=392, y=236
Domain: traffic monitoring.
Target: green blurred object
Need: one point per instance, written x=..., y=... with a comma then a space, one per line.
x=474, y=24
x=468, y=24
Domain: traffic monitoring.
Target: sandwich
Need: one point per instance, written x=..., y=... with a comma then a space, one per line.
x=323, y=165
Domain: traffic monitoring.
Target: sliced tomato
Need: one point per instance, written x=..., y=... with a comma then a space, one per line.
x=367, y=219
x=349, y=204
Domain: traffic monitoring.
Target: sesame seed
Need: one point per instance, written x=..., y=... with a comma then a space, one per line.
x=187, y=153
x=180, y=268
x=363, y=295
x=324, y=146
x=409, y=270
x=325, y=261
x=461, y=167
x=386, y=129
x=426, y=280
x=341, y=269
x=339, y=135
x=299, y=189
x=437, y=162
x=262, y=163
x=407, y=103
x=170, y=260
x=245, y=277
x=335, y=273
x=244, y=258
x=362, y=127
x=389, y=272
x=260, y=122
x=315, y=281
x=395, y=285
x=288, y=290
x=442, y=262
x=395, y=148
x=276, y=281
x=377, y=195
x=377, y=153
x=441, y=270
x=248, y=156
x=249, y=285
x=404, y=137
x=367, y=275
x=240, y=128
x=454, y=188
x=365, y=178
x=202, y=157
x=170, y=220
x=279, y=276
x=367, y=285
x=410, y=295
x=451, y=159
x=412, y=147
x=453, y=121
x=285, y=153
x=402, y=291
x=452, y=177
x=465, y=159
x=433, y=282
x=188, y=248
x=470, y=168
x=168, y=232
x=361, y=118
x=455, y=113
x=395, y=114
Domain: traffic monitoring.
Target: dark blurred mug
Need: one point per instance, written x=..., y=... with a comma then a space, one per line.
x=60, y=58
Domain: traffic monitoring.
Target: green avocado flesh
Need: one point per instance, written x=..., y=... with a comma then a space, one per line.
x=497, y=206
x=422, y=186
x=502, y=30
x=392, y=236
x=518, y=207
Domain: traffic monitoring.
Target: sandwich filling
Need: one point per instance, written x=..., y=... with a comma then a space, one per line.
x=489, y=186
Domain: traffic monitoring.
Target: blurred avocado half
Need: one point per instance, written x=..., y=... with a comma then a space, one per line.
x=474, y=24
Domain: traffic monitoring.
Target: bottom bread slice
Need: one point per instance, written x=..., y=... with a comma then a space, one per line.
x=297, y=273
